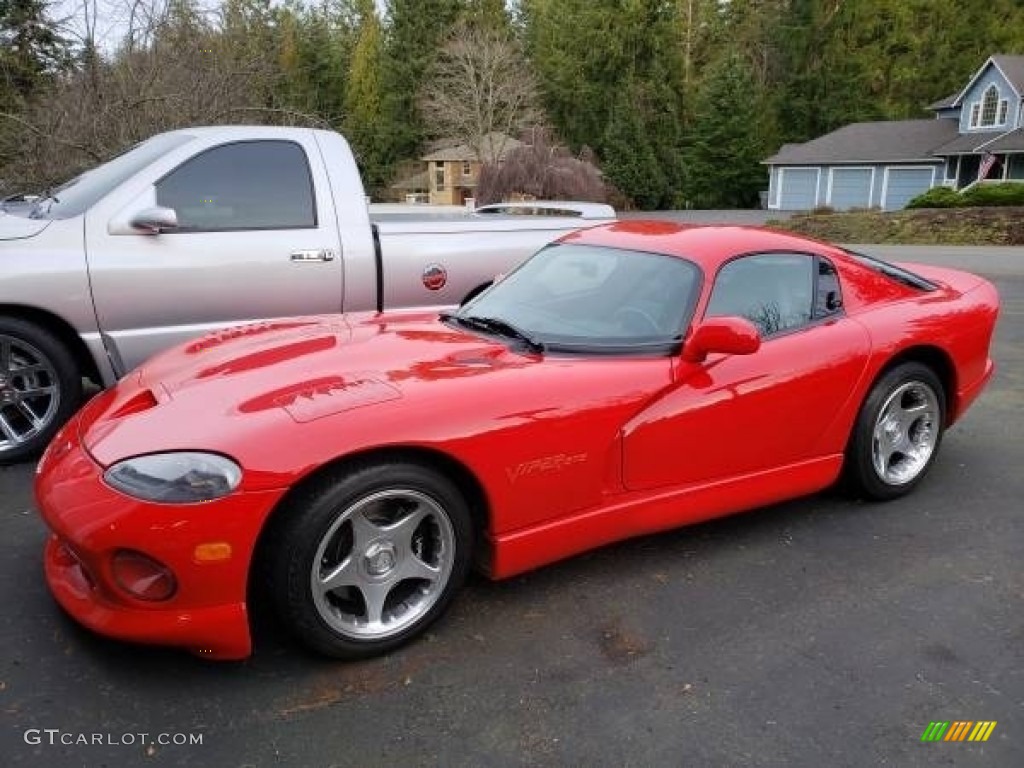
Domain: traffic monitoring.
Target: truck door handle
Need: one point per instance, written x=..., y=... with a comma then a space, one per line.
x=322, y=254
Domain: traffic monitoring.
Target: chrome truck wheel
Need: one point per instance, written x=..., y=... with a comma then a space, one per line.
x=39, y=388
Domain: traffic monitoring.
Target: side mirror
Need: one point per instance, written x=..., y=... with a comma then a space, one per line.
x=726, y=335
x=155, y=220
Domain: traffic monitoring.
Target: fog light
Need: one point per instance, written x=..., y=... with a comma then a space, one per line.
x=142, y=577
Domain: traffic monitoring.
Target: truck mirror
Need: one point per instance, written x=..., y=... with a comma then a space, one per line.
x=153, y=221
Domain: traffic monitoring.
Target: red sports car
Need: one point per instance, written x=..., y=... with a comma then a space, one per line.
x=628, y=379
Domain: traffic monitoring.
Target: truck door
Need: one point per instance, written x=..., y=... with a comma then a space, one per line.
x=255, y=239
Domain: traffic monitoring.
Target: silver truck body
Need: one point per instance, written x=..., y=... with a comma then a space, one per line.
x=114, y=293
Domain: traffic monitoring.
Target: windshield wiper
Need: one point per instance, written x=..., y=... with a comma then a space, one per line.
x=497, y=326
x=47, y=194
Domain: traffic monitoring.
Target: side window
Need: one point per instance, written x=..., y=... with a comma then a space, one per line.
x=775, y=291
x=246, y=185
x=828, y=297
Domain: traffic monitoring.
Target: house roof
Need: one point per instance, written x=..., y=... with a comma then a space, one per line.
x=1013, y=141
x=944, y=103
x=1012, y=67
x=966, y=144
x=890, y=140
x=493, y=146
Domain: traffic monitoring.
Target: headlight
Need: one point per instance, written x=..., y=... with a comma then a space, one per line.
x=181, y=477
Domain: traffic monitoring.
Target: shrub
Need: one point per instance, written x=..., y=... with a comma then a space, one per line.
x=937, y=197
x=1007, y=193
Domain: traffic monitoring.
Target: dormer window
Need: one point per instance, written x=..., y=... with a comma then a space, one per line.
x=991, y=110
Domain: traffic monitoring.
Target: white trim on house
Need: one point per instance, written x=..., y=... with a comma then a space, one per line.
x=817, y=183
x=833, y=169
x=885, y=178
x=989, y=60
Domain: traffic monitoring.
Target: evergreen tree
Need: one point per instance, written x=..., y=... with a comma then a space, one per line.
x=31, y=50
x=416, y=30
x=725, y=147
x=598, y=60
x=363, y=109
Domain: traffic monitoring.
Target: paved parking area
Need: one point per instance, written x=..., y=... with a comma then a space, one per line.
x=823, y=632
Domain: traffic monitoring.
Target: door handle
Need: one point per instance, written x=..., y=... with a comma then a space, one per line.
x=321, y=254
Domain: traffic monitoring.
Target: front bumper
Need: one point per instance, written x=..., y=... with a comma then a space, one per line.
x=90, y=522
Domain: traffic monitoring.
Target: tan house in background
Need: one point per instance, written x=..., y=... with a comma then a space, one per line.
x=452, y=172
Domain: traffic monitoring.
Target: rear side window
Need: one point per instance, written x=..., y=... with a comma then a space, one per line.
x=828, y=298
x=246, y=185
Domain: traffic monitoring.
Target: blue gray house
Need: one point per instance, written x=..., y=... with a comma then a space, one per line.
x=976, y=134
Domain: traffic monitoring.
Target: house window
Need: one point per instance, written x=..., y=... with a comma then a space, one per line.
x=466, y=169
x=439, y=175
x=952, y=166
x=1004, y=106
x=989, y=103
x=975, y=111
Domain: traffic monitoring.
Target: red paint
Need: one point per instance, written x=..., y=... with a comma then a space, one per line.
x=572, y=452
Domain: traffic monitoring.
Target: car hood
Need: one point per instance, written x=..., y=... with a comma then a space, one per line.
x=217, y=389
x=20, y=228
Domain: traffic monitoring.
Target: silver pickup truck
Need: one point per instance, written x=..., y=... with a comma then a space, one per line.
x=202, y=228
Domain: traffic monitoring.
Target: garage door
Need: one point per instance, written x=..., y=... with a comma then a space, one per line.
x=851, y=188
x=797, y=188
x=904, y=185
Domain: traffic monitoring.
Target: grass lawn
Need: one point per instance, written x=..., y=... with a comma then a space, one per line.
x=934, y=226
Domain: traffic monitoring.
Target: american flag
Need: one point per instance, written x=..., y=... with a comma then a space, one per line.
x=987, y=161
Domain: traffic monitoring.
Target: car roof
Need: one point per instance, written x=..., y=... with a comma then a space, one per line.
x=706, y=245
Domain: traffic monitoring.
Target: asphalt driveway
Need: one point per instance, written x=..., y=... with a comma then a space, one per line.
x=823, y=632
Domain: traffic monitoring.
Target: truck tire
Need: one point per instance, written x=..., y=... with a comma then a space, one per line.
x=40, y=388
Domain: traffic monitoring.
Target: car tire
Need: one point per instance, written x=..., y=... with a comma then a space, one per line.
x=33, y=360
x=365, y=560
x=897, y=433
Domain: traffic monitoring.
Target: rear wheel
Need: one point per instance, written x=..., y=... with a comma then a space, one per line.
x=898, y=432
x=40, y=388
x=366, y=560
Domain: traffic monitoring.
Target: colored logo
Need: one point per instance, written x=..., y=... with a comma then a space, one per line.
x=435, y=277
x=959, y=730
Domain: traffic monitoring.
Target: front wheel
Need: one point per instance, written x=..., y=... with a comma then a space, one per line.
x=898, y=432
x=369, y=558
x=40, y=388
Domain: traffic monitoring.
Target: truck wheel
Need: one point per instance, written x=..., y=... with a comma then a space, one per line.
x=897, y=433
x=367, y=559
x=40, y=388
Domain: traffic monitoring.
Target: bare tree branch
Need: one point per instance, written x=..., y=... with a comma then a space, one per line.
x=481, y=90
x=50, y=137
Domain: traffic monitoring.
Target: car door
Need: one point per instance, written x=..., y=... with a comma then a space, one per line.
x=255, y=239
x=733, y=415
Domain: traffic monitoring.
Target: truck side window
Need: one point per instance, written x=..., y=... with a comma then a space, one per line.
x=244, y=185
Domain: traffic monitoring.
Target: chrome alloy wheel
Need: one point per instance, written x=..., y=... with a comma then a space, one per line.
x=29, y=392
x=905, y=433
x=382, y=564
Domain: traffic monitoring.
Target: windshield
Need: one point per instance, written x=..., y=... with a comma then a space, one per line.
x=592, y=297
x=78, y=195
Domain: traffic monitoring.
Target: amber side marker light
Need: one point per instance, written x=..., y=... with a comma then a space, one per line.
x=212, y=552
x=142, y=577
